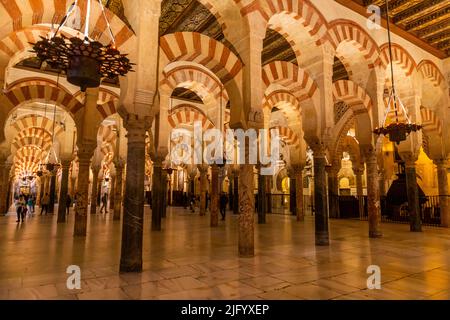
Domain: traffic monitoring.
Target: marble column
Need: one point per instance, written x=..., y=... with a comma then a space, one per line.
x=5, y=168
x=298, y=174
x=413, y=197
x=84, y=160
x=246, y=211
x=157, y=201
x=262, y=198
x=292, y=193
x=320, y=199
x=358, y=172
x=203, y=188
x=333, y=191
x=443, y=192
x=214, y=195
x=133, y=216
x=373, y=196
x=118, y=190
x=164, y=193
x=94, y=190
x=64, y=190
x=51, y=206
x=235, y=193
x=112, y=192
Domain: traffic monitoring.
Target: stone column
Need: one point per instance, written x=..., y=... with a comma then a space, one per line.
x=133, y=217
x=203, y=188
x=443, y=192
x=235, y=193
x=51, y=206
x=164, y=177
x=112, y=192
x=413, y=196
x=84, y=159
x=65, y=165
x=157, y=201
x=292, y=193
x=298, y=174
x=262, y=197
x=358, y=172
x=118, y=189
x=214, y=195
x=373, y=196
x=333, y=191
x=5, y=168
x=246, y=211
x=320, y=198
x=94, y=191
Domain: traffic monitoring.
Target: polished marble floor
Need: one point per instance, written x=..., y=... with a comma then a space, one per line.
x=189, y=260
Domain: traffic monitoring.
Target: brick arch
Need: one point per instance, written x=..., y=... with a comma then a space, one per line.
x=343, y=126
x=350, y=144
x=277, y=97
x=191, y=74
x=34, y=122
x=28, y=154
x=35, y=81
x=432, y=125
x=187, y=114
x=32, y=136
x=288, y=135
x=353, y=95
x=201, y=49
x=429, y=70
x=400, y=56
x=343, y=30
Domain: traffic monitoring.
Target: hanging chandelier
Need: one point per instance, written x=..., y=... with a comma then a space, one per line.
x=84, y=61
x=397, y=131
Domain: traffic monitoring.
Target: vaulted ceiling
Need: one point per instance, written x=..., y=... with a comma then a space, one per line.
x=427, y=22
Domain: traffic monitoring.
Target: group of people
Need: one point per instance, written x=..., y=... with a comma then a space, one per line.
x=222, y=203
x=24, y=204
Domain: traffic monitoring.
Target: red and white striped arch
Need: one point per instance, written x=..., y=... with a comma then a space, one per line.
x=285, y=101
x=430, y=71
x=27, y=159
x=35, y=81
x=288, y=136
x=399, y=56
x=32, y=136
x=353, y=95
x=432, y=125
x=347, y=31
x=293, y=78
x=33, y=125
x=201, y=49
x=187, y=114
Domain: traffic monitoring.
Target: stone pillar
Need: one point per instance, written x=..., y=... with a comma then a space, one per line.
x=5, y=168
x=94, y=191
x=235, y=193
x=118, y=189
x=51, y=206
x=157, y=201
x=262, y=198
x=84, y=159
x=164, y=177
x=320, y=198
x=373, y=196
x=413, y=196
x=333, y=191
x=358, y=172
x=133, y=217
x=214, y=195
x=203, y=188
x=298, y=174
x=246, y=211
x=64, y=190
x=112, y=192
x=292, y=193
x=443, y=192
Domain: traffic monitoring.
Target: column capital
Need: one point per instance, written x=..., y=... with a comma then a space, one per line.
x=441, y=163
x=358, y=171
x=332, y=170
x=202, y=168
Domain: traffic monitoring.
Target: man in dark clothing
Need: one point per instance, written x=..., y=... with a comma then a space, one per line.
x=68, y=203
x=223, y=204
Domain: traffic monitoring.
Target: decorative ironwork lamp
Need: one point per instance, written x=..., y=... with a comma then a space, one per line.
x=84, y=61
x=397, y=131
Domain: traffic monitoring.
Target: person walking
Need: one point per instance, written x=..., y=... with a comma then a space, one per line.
x=68, y=203
x=21, y=208
x=223, y=204
x=104, y=203
x=44, y=204
x=30, y=204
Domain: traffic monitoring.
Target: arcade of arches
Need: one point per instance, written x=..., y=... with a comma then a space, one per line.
x=311, y=69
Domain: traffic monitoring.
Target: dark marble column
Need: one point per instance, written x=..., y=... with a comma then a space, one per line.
x=443, y=192
x=133, y=216
x=373, y=196
x=333, y=191
x=112, y=193
x=164, y=193
x=246, y=211
x=157, y=201
x=262, y=198
x=5, y=168
x=235, y=193
x=64, y=190
x=84, y=159
x=118, y=190
x=214, y=195
x=94, y=190
x=358, y=172
x=320, y=199
x=292, y=193
x=298, y=174
x=203, y=188
x=51, y=206
x=413, y=197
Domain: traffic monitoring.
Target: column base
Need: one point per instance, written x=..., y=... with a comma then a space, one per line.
x=126, y=267
x=415, y=229
x=375, y=234
x=322, y=239
x=247, y=253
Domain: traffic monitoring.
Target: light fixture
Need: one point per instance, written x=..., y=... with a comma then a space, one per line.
x=397, y=131
x=84, y=61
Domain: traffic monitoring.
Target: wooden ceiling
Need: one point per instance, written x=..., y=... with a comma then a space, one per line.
x=426, y=23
